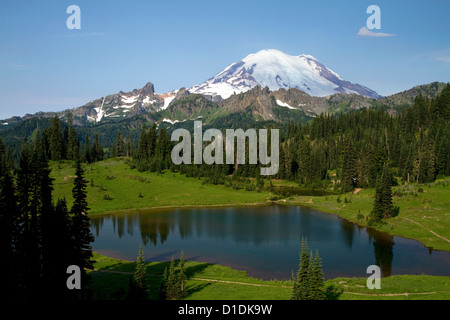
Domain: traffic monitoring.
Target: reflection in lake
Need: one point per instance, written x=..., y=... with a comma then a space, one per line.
x=264, y=241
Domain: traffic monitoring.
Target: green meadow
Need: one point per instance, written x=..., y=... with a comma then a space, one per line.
x=114, y=186
x=111, y=277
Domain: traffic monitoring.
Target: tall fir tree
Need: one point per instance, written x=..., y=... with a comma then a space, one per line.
x=383, y=206
x=182, y=278
x=309, y=283
x=81, y=232
x=317, y=281
x=87, y=150
x=349, y=168
x=120, y=145
x=171, y=283
x=300, y=288
x=10, y=229
x=140, y=275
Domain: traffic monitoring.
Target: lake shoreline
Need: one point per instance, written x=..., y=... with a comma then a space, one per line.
x=307, y=205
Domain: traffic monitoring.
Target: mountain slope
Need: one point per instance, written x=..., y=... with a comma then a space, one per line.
x=277, y=70
x=430, y=90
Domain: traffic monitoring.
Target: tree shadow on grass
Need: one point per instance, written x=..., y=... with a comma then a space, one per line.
x=191, y=271
x=333, y=292
x=191, y=289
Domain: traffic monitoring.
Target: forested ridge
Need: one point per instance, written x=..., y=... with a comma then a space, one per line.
x=343, y=151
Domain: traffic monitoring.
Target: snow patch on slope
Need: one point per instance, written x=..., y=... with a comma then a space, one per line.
x=283, y=104
x=167, y=102
x=131, y=99
x=100, y=112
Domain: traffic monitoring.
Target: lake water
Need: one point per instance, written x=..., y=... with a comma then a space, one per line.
x=264, y=241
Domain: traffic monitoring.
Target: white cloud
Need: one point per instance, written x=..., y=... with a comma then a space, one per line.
x=442, y=56
x=364, y=32
x=18, y=66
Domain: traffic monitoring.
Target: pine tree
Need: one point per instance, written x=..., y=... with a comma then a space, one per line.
x=26, y=245
x=151, y=141
x=129, y=146
x=87, y=150
x=56, y=139
x=163, y=286
x=181, y=278
x=377, y=211
x=300, y=289
x=349, y=168
x=171, y=283
x=81, y=232
x=10, y=229
x=62, y=247
x=120, y=147
x=73, y=144
x=97, y=150
x=387, y=193
x=317, y=281
x=140, y=277
x=309, y=283
x=383, y=206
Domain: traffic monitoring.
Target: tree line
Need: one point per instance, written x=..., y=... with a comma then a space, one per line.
x=40, y=239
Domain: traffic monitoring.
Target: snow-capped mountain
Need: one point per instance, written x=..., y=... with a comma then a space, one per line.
x=269, y=69
x=278, y=70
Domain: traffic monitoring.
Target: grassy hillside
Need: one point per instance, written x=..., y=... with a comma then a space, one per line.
x=113, y=186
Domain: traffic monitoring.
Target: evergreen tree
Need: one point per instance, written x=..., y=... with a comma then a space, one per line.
x=151, y=141
x=139, y=275
x=129, y=147
x=309, y=283
x=57, y=248
x=300, y=289
x=25, y=247
x=9, y=229
x=171, y=283
x=383, y=206
x=349, y=168
x=181, y=278
x=120, y=147
x=317, y=281
x=377, y=211
x=97, y=150
x=163, y=286
x=56, y=144
x=81, y=232
x=73, y=144
x=87, y=150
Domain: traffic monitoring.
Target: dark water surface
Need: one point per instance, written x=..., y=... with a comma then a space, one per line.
x=264, y=241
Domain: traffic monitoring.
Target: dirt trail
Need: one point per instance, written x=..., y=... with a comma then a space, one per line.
x=241, y=283
x=437, y=235
x=388, y=294
x=272, y=286
x=200, y=279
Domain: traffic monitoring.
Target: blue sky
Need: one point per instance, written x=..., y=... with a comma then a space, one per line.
x=122, y=45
